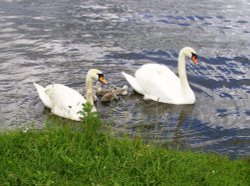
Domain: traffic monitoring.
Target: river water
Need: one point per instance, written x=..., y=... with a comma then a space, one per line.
x=57, y=41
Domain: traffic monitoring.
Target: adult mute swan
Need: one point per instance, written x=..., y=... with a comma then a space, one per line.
x=158, y=83
x=66, y=102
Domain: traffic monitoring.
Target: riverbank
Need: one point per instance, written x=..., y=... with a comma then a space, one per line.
x=85, y=155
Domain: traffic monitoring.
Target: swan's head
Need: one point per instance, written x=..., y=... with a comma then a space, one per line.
x=190, y=52
x=97, y=75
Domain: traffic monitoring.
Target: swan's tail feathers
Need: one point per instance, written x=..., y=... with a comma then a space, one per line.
x=42, y=95
x=133, y=82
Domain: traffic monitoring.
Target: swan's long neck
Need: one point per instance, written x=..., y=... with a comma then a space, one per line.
x=89, y=95
x=182, y=70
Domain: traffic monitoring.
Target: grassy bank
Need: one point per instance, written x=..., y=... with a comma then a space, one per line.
x=63, y=155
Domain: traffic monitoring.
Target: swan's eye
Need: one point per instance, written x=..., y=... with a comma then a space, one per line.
x=194, y=58
x=100, y=75
x=102, y=79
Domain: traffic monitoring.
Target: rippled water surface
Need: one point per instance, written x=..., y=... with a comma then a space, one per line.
x=57, y=41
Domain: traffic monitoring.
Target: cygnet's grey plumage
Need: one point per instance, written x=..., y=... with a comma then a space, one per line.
x=111, y=93
x=100, y=91
x=121, y=91
x=110, y=96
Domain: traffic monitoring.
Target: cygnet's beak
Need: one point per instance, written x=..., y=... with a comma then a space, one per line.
x=102, y=79
x=194, y=59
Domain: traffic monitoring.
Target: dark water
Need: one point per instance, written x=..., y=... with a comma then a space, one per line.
x=57, y=41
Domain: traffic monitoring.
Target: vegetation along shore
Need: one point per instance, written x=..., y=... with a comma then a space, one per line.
x=88, y=154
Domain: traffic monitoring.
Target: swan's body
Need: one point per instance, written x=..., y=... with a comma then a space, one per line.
x=158, y=83
x=62, y=100
x=66, y=102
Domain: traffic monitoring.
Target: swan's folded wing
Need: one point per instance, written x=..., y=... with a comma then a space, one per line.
x=158, y=82
x=133, y=82
x=67, y=113
x=64, y=97
x=42, y=95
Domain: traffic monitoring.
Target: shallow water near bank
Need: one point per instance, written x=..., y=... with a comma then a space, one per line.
x=58, y=41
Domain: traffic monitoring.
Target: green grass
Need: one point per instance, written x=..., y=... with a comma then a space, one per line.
x=86, y=155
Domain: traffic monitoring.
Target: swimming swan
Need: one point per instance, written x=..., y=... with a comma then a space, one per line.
x=66, y=102
x=158, y=83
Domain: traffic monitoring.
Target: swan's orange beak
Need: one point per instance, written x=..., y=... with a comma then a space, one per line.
x=194, y=59
x=102, y=79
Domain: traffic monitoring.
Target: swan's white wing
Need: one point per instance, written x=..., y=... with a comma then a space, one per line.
x=42, y=95
x=63, y=95
x=66, y=102
x=159, y=83
x=133, y=82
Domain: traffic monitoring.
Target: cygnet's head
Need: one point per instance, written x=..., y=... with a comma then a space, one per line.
x=124, y=90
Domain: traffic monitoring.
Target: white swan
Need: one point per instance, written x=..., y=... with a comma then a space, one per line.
x=158, y=83
x=66, y=102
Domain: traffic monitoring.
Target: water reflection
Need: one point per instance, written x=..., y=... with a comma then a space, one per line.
x=151, y=120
